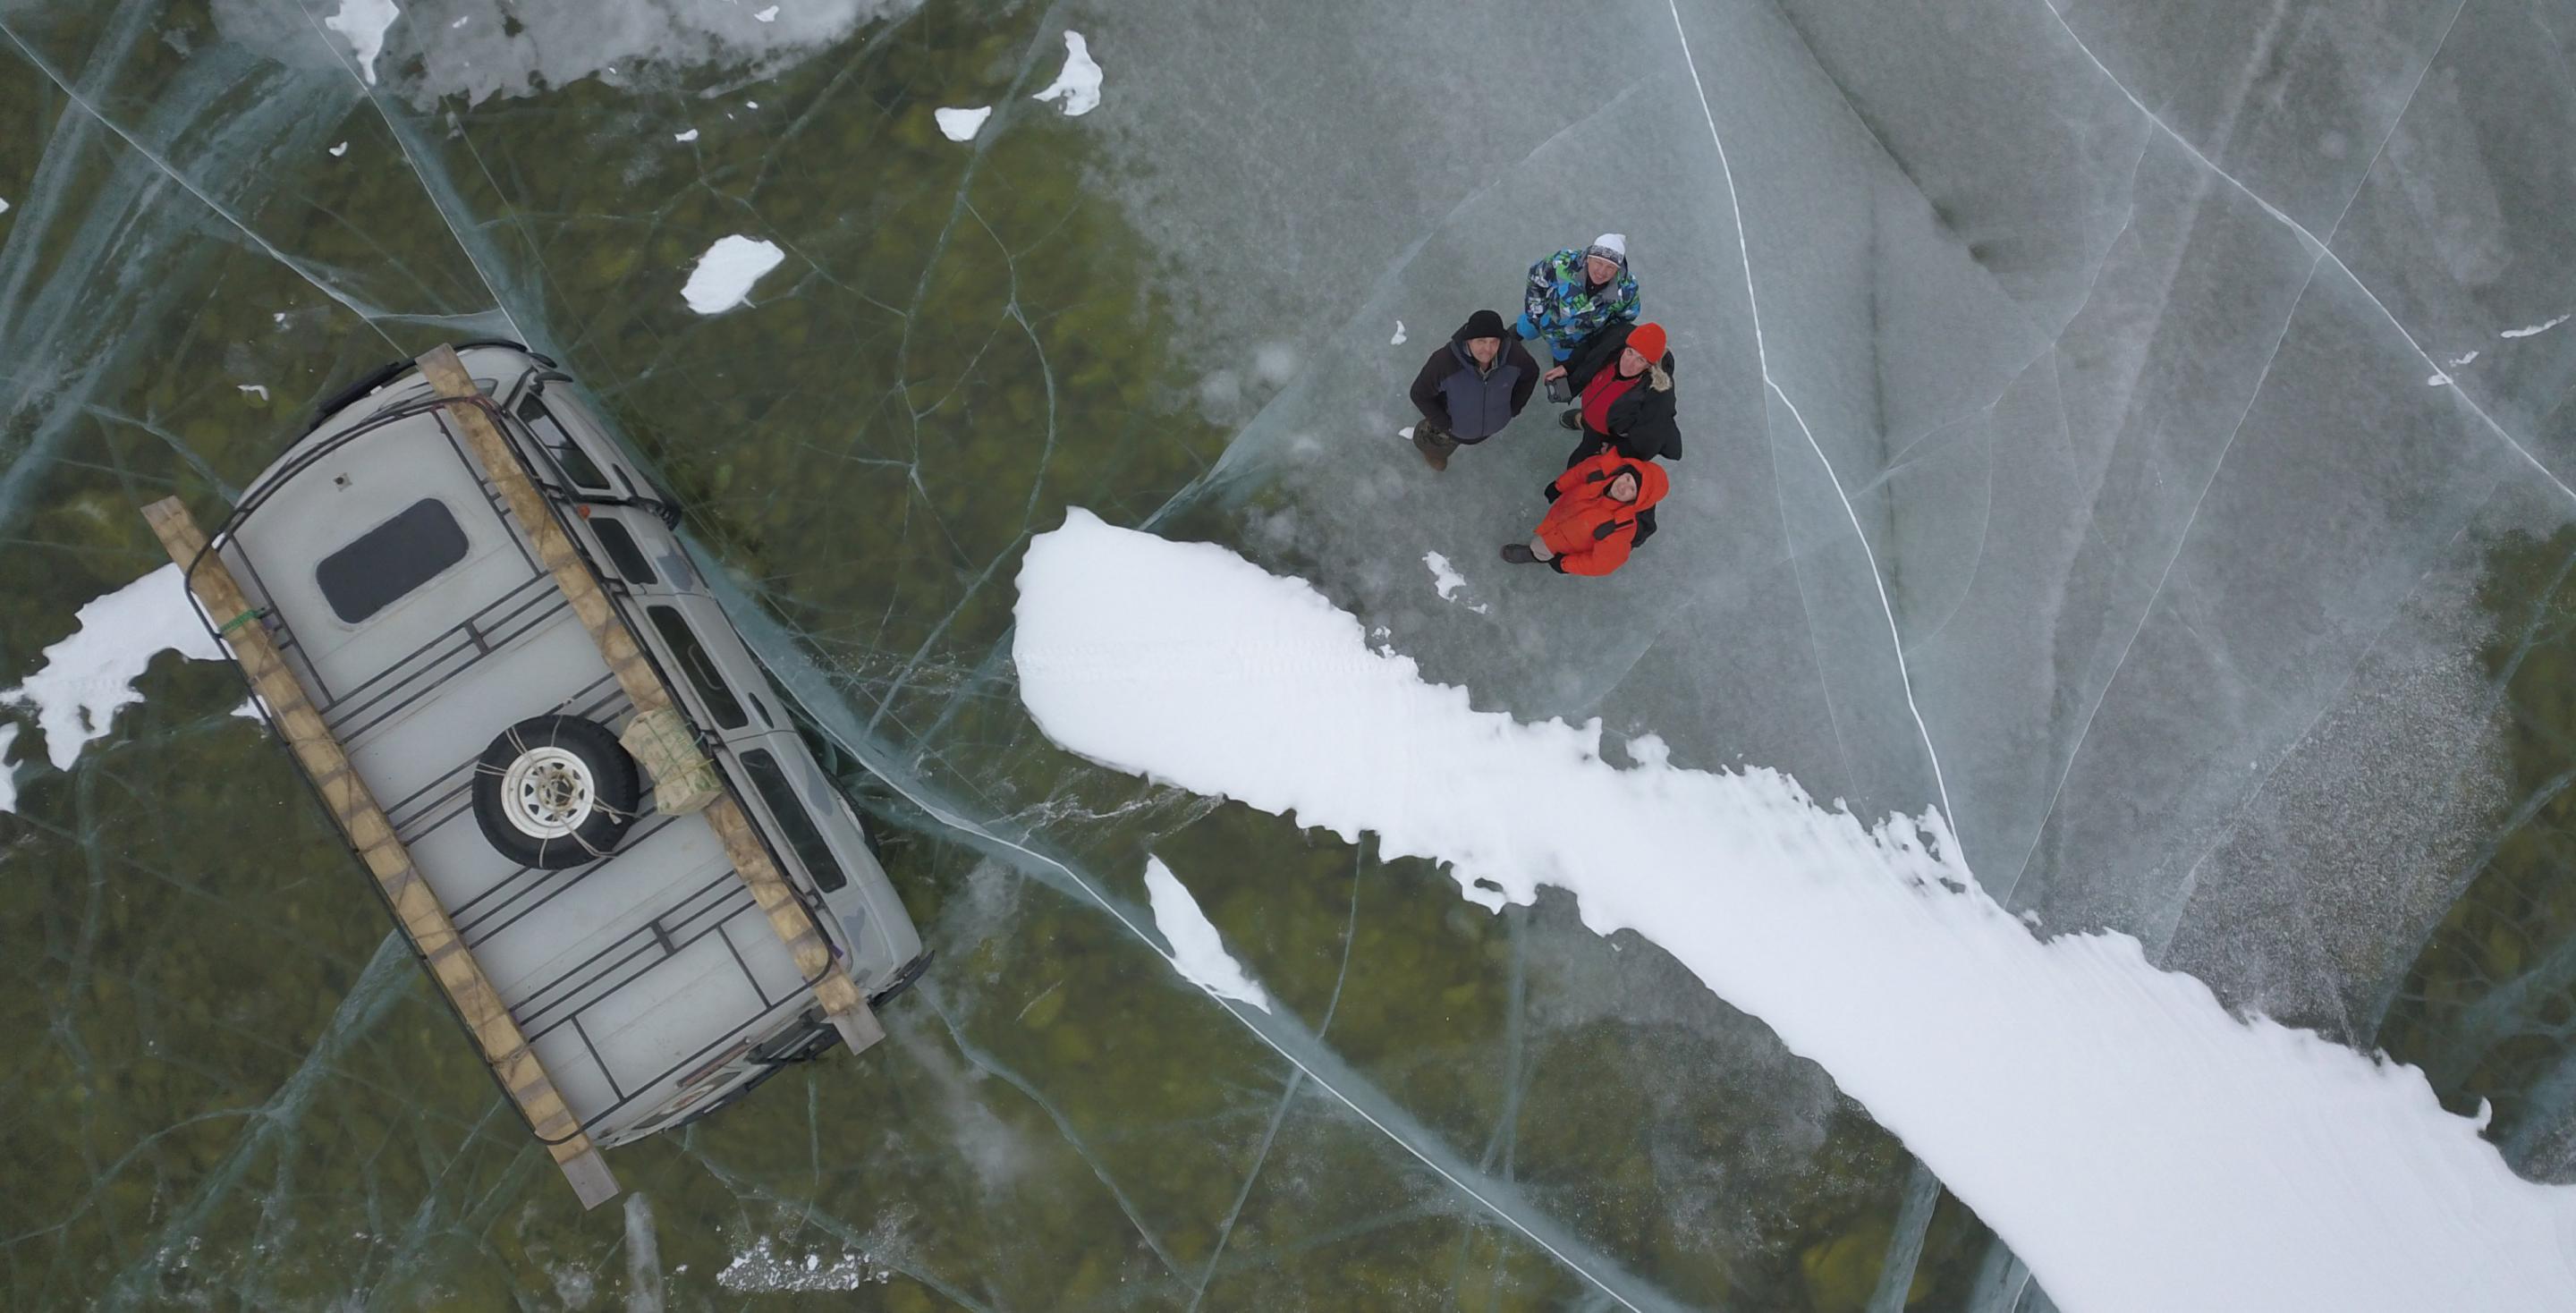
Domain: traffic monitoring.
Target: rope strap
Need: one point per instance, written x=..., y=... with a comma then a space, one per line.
x=238, y=621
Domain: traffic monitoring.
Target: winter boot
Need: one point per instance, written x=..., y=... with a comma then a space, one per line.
x=1519, y=554
x=1572, y=419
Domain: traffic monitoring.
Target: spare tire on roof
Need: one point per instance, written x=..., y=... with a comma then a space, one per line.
x=555, y=791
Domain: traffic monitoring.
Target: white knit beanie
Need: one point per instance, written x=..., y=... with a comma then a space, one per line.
x=1614, y=245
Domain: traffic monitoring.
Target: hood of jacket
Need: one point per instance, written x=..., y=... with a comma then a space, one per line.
x=1652, y=484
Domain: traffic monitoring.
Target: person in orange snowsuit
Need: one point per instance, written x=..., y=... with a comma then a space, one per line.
x=1592, y=525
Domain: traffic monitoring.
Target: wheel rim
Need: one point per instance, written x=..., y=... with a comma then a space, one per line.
x=547, y=793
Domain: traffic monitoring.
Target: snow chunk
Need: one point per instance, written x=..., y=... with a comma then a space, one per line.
x=1079, y=84
x=4, y=205
x=690, y=135
x=340, y=150
x=2139, y=1146
x=1445, y=577
x=762, y=1269
x=259, y=390
x=364, y=23
x=769, y=15
x=1197, y=952
x=724, y=275
x=1398, y=339
x=2536, y=329
x=962, y=124
x=88, y=677
x=8, y=773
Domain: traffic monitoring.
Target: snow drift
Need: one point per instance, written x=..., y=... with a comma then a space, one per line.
x=2139, y=1146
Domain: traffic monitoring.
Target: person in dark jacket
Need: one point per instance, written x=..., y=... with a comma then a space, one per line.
x=1602, y=509
x=1471, y=387
x=1623, y=377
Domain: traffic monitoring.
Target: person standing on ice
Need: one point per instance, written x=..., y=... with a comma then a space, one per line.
x=1624, y=379
x=1574, y=294
x=1600, y=513
x=1470, y=388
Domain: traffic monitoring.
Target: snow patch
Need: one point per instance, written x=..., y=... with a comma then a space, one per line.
x=8, y=772
x=763, y=1269
x=364, y=22
x=1398, y=339
x=2437, y=379
x=1198, y=953
x=88, y=677
x=769, y=15
x=259, y=390
x=2139, y=1146
x=1078, y=86
x=4, y=205
x=340, y=150
x=2536, y=329
x=962, y=124
x=1445, y=579
x=724, y=276
x=690, y=135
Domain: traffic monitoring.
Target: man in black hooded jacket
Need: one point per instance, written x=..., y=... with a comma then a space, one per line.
x=1471, y=387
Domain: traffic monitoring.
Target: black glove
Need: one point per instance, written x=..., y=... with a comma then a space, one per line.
x=1548, y=490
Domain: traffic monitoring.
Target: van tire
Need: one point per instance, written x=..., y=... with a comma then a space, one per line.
x=556, y=791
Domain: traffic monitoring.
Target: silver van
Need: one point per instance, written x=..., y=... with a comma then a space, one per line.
x=479, y=712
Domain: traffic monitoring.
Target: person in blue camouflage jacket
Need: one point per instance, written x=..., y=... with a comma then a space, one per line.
x=1574, y=294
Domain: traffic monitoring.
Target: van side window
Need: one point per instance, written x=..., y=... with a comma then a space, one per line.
x=623, y=551
x=780, y=796
x=694, y=662
x=575, y=463
x=387, y=562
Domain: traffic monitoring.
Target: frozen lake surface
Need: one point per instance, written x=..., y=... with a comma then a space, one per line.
x=2135, y=433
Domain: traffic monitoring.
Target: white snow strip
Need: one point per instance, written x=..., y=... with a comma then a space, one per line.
x=249, y=710
x=2536, y=329
x=88, y=677
x=769, y=15
x=724, y=275
x=2139, y=1146
x=1398, y=339
x=340, y=150
x=4, y=205
x=1197, y=951
x=259, y=390
x=2438, y=379
x=1079, y=84
x=962, y=124
x=460, y=22
x=690, y=135
x=1444, y=577
x=364, y=23
x=8, y=772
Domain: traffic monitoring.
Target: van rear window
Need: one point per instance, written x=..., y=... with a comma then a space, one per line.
x=387, y=562
x=781, y=799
